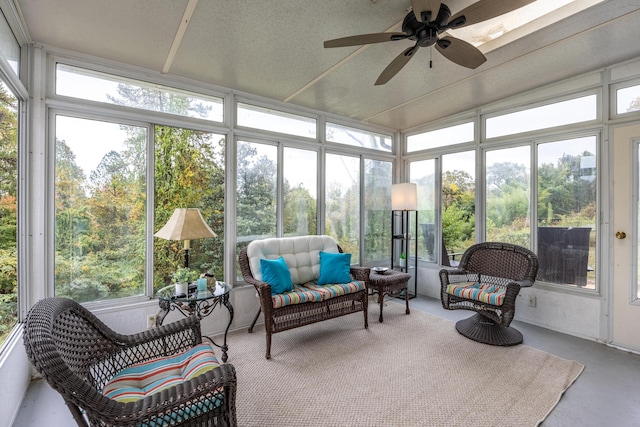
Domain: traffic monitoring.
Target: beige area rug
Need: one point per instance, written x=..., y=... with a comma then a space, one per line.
x=411, y=370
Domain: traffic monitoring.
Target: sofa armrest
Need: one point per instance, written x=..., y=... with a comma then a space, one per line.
x=360, y=273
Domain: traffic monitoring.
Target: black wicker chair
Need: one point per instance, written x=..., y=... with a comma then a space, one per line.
x=78, y=354
x=488, y=281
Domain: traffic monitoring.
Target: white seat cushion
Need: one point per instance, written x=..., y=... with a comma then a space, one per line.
x=301, y=253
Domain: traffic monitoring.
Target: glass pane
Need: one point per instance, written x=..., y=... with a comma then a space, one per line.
x=441, y=137
x=458, y=204
x=276, y=121
x=256, y=193
x=300, y=170
x=567, y=212
x=101, y=87
x=198, y=159
x=377, y=204
x=560, y=113
x=100, y=203
x=628, y=99
x=343, y=202
x=8, y=212
x=357, y=137
x=9, y=46
x=423, y=174
x=508, y=196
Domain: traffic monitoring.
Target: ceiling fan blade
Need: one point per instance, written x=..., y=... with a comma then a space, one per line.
x=460, y=52
x=364, y=39
x=483, y=10
x=431, y=6
x=396, y=65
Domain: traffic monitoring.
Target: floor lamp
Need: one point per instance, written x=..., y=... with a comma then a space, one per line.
x=185, y=224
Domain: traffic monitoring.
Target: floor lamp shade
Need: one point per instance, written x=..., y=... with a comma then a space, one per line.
x=404, y=197
x=185, y=224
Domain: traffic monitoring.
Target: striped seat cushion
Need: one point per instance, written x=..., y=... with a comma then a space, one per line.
x=483, y=292
x=311, y=292
x=143, y=379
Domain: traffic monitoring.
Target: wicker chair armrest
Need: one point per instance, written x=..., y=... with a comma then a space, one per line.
x=171, y=400
x=360, y=273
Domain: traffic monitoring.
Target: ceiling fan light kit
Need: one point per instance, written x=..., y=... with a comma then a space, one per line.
x=425, y=27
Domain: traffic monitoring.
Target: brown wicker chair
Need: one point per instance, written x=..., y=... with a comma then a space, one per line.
x=78, y=354
x=504, y=267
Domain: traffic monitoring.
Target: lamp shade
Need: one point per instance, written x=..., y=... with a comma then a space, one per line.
x=404, y=197
x=185, y=224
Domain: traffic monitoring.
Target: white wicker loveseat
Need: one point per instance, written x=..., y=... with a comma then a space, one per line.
x=310, y=299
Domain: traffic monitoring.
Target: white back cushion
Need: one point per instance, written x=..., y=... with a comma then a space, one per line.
x=301, y=253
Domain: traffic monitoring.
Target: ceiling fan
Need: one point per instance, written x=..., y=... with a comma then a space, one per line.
x=425, y=23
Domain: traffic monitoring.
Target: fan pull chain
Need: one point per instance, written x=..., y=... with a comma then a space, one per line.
x=430, y=57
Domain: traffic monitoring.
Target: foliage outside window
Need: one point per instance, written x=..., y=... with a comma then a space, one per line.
x=300, y=192
x=357, y=138
x=567, y=207
x=8, y=212
x=189, y=173
x=101, y=87
x=377, y=204
x=458, y=201
x=342, y=206
x=508, y=195
x=100, y=209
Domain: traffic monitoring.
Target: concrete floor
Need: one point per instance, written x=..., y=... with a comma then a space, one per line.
x=606, y=393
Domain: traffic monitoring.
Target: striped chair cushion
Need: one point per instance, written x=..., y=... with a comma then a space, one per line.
x=311, y=292
x=482, y=292
x=143, y=379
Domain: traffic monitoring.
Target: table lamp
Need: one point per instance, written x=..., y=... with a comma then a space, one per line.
x=185, y=224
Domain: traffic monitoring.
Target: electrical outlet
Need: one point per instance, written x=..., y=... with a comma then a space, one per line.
x=151, y=321
x=532, y=300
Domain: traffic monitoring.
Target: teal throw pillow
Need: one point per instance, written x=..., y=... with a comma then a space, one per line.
x=334, y=268
x=276, y=273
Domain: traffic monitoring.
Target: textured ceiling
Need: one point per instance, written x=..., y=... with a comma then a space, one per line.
x=275, y=49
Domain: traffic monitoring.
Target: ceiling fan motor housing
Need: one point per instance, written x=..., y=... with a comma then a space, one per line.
x=426, y=33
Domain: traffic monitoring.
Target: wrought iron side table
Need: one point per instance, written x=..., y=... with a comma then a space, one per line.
x=200, y=303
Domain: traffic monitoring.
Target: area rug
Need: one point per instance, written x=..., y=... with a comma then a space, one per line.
x=411, y=370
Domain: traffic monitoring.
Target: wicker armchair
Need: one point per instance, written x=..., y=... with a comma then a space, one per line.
x=488, y=281
x=78, y=354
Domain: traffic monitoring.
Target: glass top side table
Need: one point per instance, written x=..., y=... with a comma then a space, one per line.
x=200, y=303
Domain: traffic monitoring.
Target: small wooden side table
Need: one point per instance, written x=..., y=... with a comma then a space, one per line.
x=391, y=282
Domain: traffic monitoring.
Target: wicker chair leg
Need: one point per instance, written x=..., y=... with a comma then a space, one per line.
x=268, y=353
x=255, y=319
x=77, y=415
x=481, y=329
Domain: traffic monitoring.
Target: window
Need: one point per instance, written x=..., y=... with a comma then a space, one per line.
x=567, y=211
x=441, y=137
x=300, y=192
x=458, y=201
x=100, y=209
x=357, y=138
x=9, y=47
x=8, y=212
x=342, y=206
x=101, y=87
x=275, y=121
x=189, y=173
x=377, y=208
x=258, y=187
x=508, y=195
x=575, y=110
x=423, y=174
x=628, y=99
